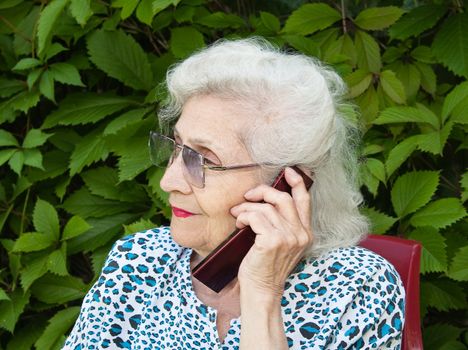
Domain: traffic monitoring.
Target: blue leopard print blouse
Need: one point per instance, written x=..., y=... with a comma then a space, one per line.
x=349, y=298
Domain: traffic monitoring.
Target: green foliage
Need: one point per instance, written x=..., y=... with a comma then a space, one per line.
x=79, y=90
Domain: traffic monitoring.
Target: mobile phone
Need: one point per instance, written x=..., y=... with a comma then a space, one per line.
x=221, y=266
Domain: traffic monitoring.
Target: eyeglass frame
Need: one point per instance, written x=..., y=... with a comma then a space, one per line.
x=203, y=159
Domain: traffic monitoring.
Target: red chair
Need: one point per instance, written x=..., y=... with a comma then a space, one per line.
x=405, y=256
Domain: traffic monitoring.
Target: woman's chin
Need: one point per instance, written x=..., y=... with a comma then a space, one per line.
x=185, y=235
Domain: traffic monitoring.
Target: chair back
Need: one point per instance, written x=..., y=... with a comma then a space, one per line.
x=405, y=256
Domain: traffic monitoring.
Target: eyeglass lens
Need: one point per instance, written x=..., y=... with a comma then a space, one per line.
x=164, y=150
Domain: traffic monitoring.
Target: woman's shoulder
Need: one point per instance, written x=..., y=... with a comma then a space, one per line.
x=350, y=265
x=155, y=239
x=152, y=248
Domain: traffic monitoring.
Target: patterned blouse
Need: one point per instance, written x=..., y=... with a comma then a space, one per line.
x=348, y=298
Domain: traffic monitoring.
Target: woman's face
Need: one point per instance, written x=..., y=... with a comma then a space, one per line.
x=211, y=126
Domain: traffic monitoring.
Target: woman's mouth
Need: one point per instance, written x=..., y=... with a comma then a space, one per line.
x=181, y=213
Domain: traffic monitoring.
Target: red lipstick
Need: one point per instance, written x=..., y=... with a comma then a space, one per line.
x=181, y=213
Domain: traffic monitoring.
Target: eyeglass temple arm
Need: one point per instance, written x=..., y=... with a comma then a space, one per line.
x=221, y=168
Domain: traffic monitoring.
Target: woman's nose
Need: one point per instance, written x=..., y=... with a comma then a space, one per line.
x=174, y=179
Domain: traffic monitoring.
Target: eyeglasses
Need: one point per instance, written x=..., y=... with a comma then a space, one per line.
x=164, y=150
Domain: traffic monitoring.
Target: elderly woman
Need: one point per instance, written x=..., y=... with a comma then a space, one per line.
x=304, y=284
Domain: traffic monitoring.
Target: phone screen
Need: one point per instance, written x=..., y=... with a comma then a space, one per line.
x=220, y=267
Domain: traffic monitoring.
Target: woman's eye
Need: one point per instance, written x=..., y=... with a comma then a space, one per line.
x=210, y=158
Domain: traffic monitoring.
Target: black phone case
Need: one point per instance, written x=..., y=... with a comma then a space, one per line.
x=220, y=267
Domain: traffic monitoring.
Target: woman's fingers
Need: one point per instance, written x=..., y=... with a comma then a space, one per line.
x=300, y=195
x=294, y=207
x=265, y=208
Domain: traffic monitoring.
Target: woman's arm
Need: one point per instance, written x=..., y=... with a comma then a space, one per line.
x=262, y=322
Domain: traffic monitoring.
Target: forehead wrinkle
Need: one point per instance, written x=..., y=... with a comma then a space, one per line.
x=219, y=148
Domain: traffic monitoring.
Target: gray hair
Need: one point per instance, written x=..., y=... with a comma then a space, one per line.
x=297, y=119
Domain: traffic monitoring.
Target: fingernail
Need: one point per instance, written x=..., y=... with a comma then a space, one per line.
x=292, y=171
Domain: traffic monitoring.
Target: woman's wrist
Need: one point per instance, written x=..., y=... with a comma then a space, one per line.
x=262, y=321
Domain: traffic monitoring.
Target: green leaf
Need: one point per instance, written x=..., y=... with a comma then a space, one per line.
x=33, y=76
x=103, y=231
x=454, y=98
x=128, y=118
x=7, y=139
x=220, y=20
x=464, y=185
x=75, y=227
x=310, y=18
x=54, y=164
x=428, y=77
x=413, y=190
x=16, y=162
x=423, y=54
x=122, y=58
x=35, y=138
x=376, y=168
x=86, y=108
x=159, y=5
x=90, y=149
x=33, y=158
x=417, y=21
x=407, y=115
x=450, y=44
x=9, y=3
x=392, y=86
x=270, y=21
x=154, y=176
x=47, y=21
x=25, y=100
x=305, y=45
x=22, y=43
x=372, y=149
x=57, y=261
x=46, y=220
x=444, y=295
x=11, y=310
x=358, y=82
x=27, y=63
x=128, y=6
x=81, y=10
x=380, y=222
x=139, y=226
x=459, y=267
x=434, y=255
x=52, y=289
x=3, y=295
x=66, y=74
x=410, y=77
x=99, y=256
x=53, y=50
x=86, y=205
x=375, y=18
x=6, y=154
x=368, y=52
x=33, y=270
x=369, y=180
x=437, y=336
x=134, y=160
x=31, y=242
x=46, y=85
x=434, y=142
x=185, y=40
x=144, y=12
x=58, y=326
x=25, y=337
x=10, y=87
x=102, y=182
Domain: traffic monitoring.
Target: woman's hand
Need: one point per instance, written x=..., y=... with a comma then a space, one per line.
x=283, y=229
